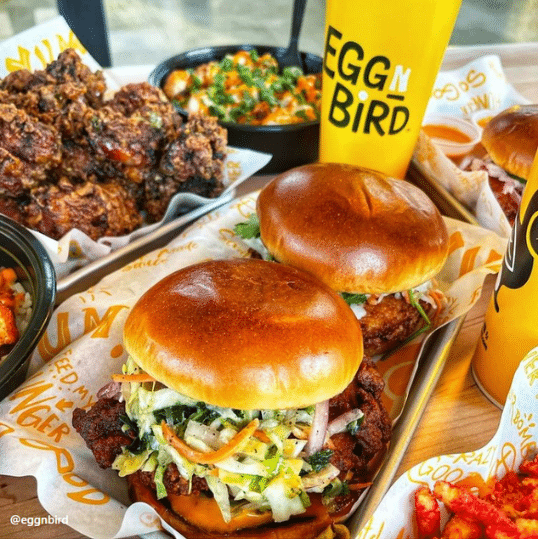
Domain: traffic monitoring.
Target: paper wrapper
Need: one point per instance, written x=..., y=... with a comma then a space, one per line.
x=33, y=49
x=82, y=347
x=515, y=440
x=472, y=91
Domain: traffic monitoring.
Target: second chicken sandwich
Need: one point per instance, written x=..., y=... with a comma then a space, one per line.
x=377, y=240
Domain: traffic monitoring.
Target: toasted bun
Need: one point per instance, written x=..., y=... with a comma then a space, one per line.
x=511, y=139
x=355, y=229
x=315, y=523
x=246, y=334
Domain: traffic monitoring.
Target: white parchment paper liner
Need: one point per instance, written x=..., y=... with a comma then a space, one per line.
x=82, y=347
x=472, y=91
x=36, y=47
x=515, y=440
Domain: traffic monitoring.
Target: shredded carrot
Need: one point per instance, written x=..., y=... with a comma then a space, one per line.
x=262, y=436
x=214, y=456
x=140, y=377
x=438, y=298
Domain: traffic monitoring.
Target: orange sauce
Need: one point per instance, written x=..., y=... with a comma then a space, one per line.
x=483, y=121
x=445, y=132
x=205, y=513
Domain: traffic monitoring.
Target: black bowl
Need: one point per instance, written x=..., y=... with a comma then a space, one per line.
x=290, y=145
x=20, y=250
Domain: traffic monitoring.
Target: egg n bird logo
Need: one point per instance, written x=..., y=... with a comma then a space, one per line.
x=370, y=92
x=521, y=252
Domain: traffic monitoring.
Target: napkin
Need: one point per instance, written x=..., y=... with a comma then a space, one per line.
x=82, y=347
x=476, y=89
x=36, y=47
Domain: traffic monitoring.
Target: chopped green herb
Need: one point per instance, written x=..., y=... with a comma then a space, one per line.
x=267, y=95
x=352, y=299
x=196, y=82
x=415, y=303
x=220, y=89
x=203, y=414
x=319, y=460
x=301, y=98
x=174, y=415
x=248, y=229
x=245, y=74
x=292, y=73
x=254, y=55
x=226, y=64
x=355, y=426
x=155, y=120
x=235, y=114
x=96, y=123
x=217, y=111
x=336, y=488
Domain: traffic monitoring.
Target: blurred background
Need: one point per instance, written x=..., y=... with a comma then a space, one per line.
x=148, y=31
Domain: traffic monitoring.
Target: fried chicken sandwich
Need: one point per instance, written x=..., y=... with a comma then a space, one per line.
x=245, y=408
x=510, y=139
x=377, y=240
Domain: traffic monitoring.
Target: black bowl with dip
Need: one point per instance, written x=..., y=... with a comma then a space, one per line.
x=23, y=252
x=291, y=145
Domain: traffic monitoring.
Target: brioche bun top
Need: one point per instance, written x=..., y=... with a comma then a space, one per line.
x=245, y=334
x=511, y=139
x=357, y=230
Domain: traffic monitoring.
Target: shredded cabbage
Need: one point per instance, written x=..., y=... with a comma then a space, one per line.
x=283, y=499
x=220, y=492
x=268, y=472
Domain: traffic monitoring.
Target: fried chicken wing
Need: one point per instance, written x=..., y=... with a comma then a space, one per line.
x=150, y=104
x=96, y=209
x=58, y=96
x=29, y=150
x=124, y=140
x=23, y=81
x=13, y=174
x=69, y=68
x=68, y=158
x=14, y=208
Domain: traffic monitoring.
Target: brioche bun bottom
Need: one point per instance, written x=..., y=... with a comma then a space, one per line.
x=315, y=523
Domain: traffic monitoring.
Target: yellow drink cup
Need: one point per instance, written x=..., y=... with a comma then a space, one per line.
x=511, y=324
x=380, y=64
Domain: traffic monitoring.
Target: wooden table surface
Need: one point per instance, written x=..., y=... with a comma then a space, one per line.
x=458, y=417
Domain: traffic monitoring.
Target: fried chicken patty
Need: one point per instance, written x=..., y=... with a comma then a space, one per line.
x=389, y=322
x=101, y=429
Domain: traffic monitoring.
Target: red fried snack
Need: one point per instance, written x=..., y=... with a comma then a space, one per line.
x=528, y=528
x=428, y=514
x=461, y=528
x=504, y=508
x=464, y=503
x=530, y=467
